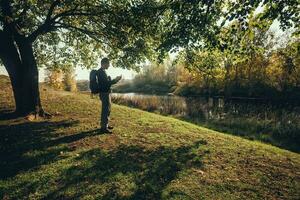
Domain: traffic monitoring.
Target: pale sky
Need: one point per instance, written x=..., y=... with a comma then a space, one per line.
x=2, y=70
x=83, y=74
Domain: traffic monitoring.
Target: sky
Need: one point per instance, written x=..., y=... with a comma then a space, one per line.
x=83, y=74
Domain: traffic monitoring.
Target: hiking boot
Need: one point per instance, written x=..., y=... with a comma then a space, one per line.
x=105, y=130
x=110, y=127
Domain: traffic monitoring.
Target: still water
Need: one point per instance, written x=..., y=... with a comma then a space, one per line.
x=205, y=107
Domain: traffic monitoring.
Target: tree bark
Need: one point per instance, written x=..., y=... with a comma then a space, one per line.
x=19, y=61
x=11, y=60
x=30, y=79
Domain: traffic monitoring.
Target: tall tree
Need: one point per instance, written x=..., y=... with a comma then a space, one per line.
x=43, y=32
x=52, y=32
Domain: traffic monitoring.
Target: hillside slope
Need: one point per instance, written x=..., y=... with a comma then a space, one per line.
x=148, y=157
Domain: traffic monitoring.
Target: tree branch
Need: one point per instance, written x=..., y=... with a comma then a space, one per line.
x=21, y=18
x=92, y=34
x=9, y=24
x=66, y=13
x=6, y=8
x=47, y=25
x=51, y=10
x=51, y=22
x=1, y=20
x=69, y=14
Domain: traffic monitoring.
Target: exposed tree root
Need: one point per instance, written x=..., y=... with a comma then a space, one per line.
x=36, y=115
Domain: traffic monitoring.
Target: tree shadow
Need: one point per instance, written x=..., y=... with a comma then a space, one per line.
x=127, y=171
x=7, y=114
x=27, y=145
x=147, y=172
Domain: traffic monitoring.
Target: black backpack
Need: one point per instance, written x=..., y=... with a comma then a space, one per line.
x=94, y=85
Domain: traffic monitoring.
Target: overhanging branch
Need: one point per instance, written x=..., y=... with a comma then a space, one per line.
x=47, y=25
x=52, y=7
x=21, y=18
x=50, y=22
x=8, y=22
x=92, y=34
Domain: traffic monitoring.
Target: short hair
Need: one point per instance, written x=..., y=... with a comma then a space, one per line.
x=104, y=61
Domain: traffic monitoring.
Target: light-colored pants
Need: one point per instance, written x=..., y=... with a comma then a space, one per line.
x=106, y=107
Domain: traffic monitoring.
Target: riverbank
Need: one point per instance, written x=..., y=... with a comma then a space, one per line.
x=273, y=124
x=149, y=156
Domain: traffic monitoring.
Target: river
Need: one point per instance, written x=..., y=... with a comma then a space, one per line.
x=203, y=107
x=259, y=119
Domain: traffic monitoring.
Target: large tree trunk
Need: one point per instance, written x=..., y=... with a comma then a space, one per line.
x=11, y=60
x=20, y=64
x=30, y=79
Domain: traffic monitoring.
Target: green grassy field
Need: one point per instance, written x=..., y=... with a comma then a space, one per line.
x=147, y=157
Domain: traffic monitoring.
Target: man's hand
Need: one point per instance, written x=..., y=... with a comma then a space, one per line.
x=118, y=78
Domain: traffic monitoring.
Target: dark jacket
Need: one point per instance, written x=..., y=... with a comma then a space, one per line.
x=104, y=81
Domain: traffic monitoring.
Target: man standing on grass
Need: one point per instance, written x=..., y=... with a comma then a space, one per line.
x=105, y=83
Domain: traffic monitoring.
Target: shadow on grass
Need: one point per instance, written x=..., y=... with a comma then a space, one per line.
x=7, y=114
x=35, y=138
x=127, y=172
x=282, y=135
x=124, y=172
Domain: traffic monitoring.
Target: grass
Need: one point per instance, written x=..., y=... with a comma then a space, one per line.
x=148, y=157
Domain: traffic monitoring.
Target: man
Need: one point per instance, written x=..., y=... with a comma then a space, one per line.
x=105, y=83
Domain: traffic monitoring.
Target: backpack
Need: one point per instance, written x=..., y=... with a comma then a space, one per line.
x=94, y=85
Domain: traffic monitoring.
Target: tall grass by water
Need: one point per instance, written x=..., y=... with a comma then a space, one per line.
x=278, y=125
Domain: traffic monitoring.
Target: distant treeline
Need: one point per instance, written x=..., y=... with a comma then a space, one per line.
x=246, y=64
x=83, y=85
x=251, y=63
x=61, y=79
x=268, y=72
